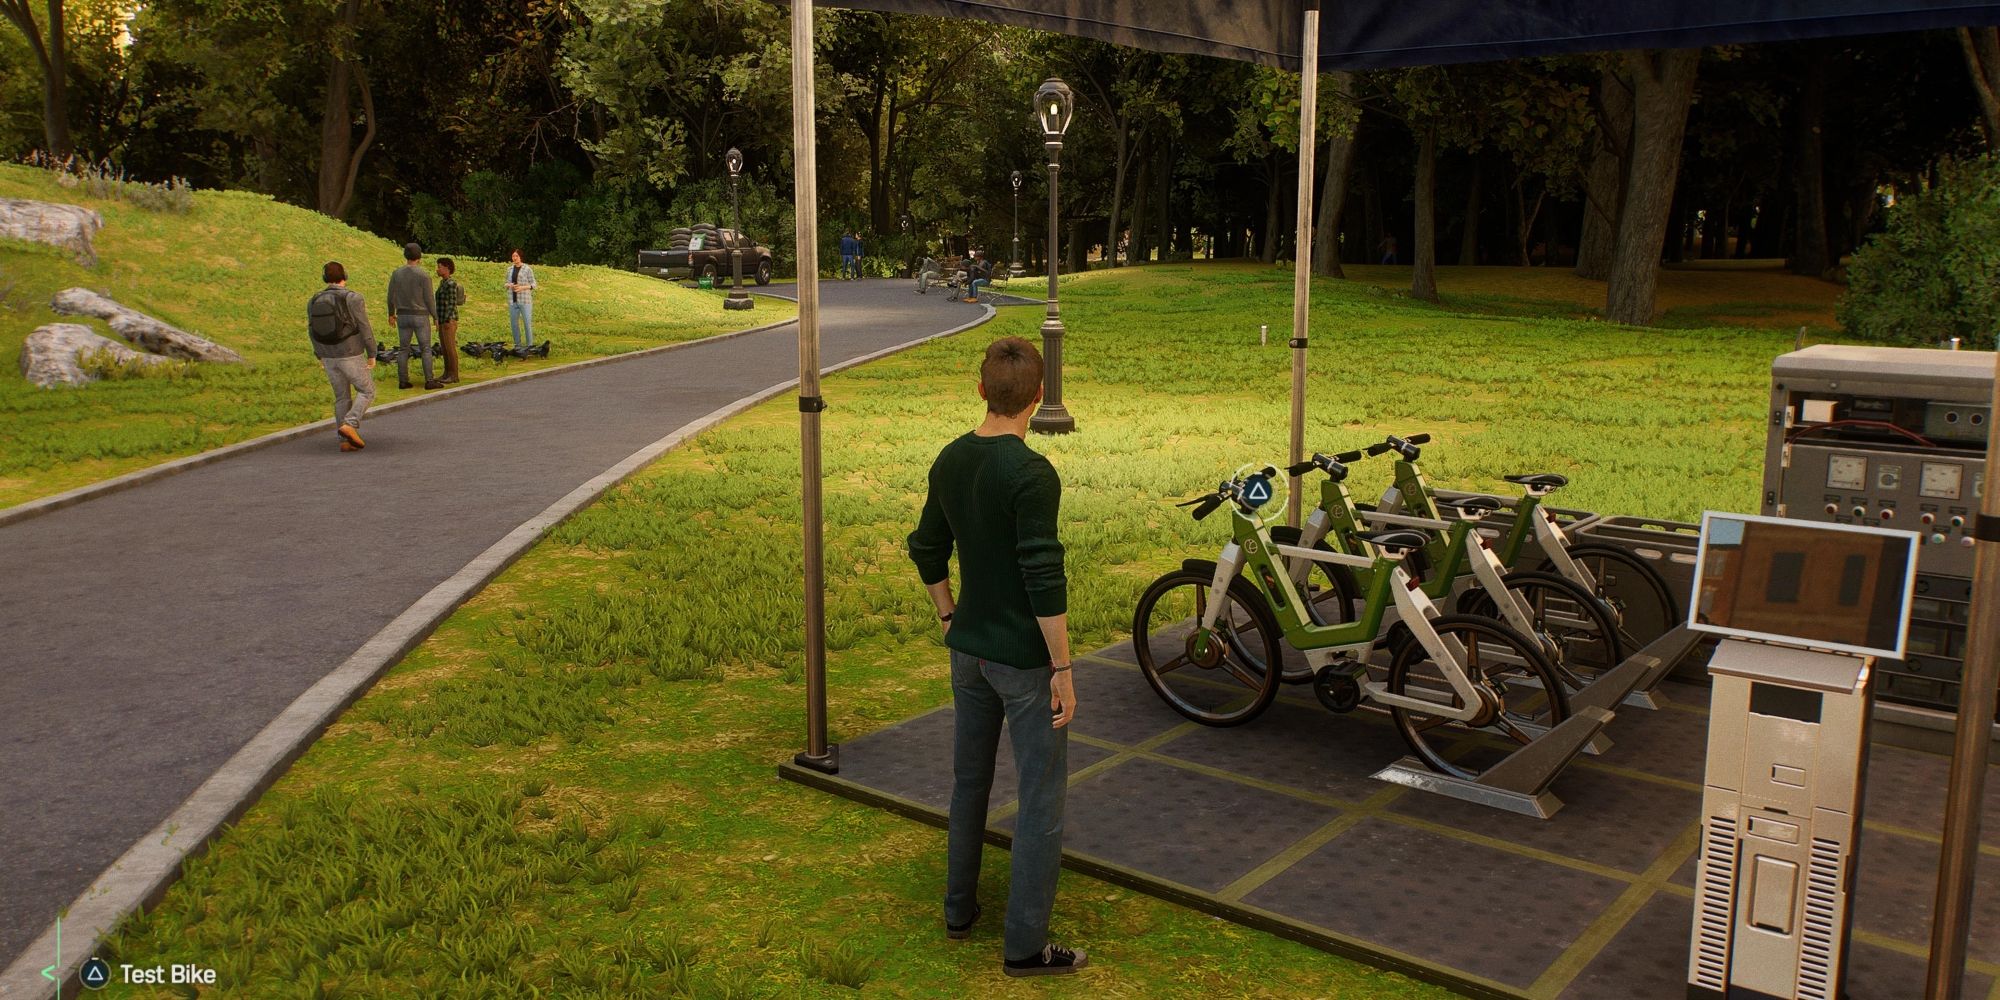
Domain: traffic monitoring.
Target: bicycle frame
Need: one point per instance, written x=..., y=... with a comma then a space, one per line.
x=1252, y=549
x=1455, y=550
x=1530, y=519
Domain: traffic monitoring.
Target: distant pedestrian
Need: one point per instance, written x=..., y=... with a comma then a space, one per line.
x=521, y=300
x=927, y=272
x=850, y=256
x=978, y=274
x=995, y=501
x=449, y=296
x=1388, y=248
x=344, y=343
x=410, y=308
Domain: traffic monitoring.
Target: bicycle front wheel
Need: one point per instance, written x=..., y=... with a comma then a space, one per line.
x=1526, y=696
x=1639, y=596
x=1204, y=674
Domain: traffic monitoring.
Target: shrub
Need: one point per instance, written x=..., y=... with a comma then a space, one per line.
x=1934, y=272
x=110, y=365
x=104, y=180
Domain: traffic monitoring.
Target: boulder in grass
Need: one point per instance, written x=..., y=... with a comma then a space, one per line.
x=67, y=226
x=51, y=356
x=139, y=328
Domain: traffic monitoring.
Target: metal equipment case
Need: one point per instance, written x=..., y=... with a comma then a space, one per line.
x=1894, y=438
x=1781, y=814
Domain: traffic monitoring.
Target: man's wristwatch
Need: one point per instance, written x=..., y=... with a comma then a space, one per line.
x=1058, y=668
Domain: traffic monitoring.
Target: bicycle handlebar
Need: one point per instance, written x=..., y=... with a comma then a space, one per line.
x=1230, y=490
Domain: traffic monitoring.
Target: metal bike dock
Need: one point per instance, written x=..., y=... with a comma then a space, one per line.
x=1520, y=783
x=1278, y=826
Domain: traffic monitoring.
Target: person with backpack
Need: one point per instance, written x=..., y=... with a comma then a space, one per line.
x=344, y=343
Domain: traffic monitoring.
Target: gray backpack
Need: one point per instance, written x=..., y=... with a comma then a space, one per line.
x=328, y=322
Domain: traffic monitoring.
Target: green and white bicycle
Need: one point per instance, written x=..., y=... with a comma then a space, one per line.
x=1645, y=607
x=1577, y=631
x=1207, y=634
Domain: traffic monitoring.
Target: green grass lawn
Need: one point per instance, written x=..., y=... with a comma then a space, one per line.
x=238, y=270
x=570, y=789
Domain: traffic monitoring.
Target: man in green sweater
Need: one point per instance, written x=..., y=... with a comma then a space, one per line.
x=995, y=500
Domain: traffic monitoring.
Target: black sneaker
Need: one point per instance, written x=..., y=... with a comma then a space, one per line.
x=1053, y=961
x=959, y=932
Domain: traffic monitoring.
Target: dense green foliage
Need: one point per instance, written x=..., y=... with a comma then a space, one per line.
x=582, y=130
x=1933, y=273
x=591, y=739
x=237, y=268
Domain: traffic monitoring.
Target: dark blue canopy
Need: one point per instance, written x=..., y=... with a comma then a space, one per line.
x=1373, y=34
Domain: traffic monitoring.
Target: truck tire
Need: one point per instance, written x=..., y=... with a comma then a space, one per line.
x=764, y=271
x=708, y=270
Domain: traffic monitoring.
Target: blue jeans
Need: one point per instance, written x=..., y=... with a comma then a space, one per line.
x=521, y=319
x=984, y=694
x=972, y=290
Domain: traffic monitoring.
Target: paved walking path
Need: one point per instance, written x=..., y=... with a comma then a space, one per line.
x=147, y=635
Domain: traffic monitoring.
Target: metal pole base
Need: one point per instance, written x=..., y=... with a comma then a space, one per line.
x=739, y=300
x=1051, y=420
x=1015, y=270
x=829, y=764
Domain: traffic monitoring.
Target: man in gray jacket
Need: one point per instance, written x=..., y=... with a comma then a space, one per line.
x=344, y=343
x=410, y=306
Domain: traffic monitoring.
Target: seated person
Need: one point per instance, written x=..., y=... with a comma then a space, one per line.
x=978, y=273
x=927, y=272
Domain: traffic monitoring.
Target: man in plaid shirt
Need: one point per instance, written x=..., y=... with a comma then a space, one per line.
x=450, y=295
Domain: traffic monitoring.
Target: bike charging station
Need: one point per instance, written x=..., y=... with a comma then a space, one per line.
x=1805, y=611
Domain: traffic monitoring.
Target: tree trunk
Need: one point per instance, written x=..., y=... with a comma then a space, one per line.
x=1073, y=260
x=1141, y=187
x=1604, y=186
x=1982, y=60
x=1468, y=238
x=1526, y=210
x=52, y=58
x=1168, y=244
x=1423, y=278
x=1663, y=86
x=1117, y=194
x=1809, y=253
x=1333, y=188
x=1274, y=195
x=336, y=126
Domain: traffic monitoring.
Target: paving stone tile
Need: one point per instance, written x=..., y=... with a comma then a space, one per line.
x=1477, y=909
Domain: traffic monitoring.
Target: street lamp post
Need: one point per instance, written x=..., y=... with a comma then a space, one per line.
x=737, y=298
x=1053, y=107
x=1015, y=270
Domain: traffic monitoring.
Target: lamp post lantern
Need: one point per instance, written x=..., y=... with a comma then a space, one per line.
x=1015, y=269
x=1053, y=106
x=737, y=298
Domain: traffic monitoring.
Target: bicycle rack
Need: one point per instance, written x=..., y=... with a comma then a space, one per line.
x=1519, y=784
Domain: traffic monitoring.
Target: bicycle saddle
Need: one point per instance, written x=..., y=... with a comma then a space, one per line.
x=1472, y=507
x=1539, y=480
x=1396, y=541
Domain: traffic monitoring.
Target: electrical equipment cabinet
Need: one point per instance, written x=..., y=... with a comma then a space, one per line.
x=1892, y=438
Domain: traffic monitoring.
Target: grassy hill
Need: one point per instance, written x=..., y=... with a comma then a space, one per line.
x=238, y=270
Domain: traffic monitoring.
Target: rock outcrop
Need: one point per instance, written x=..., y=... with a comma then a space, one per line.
x=49, y=357
x=67, y=226
x=139, y=328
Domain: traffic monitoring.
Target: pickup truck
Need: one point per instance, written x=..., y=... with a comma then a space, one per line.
x=705, y=250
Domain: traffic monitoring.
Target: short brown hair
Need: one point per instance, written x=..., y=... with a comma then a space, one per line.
x=1011, y=374
x=333, y=273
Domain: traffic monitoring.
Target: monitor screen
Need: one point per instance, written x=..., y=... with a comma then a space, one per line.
x=1829, y=586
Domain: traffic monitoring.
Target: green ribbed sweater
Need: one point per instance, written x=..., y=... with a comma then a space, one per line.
x=996, y=500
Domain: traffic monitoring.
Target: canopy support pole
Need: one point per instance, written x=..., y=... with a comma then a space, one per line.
x=1979, y=687
x=1302, y=263
x=819, y=755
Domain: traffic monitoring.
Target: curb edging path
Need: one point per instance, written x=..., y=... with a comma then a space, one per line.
x=147, y=869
